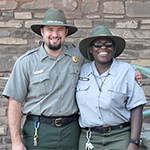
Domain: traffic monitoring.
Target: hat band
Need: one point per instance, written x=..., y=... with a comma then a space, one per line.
x=52, y=21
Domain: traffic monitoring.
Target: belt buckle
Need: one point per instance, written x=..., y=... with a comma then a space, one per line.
x=107, y=126
x=57, y=122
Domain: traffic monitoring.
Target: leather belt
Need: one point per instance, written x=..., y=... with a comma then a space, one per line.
x=107, y=128
x=55, y=121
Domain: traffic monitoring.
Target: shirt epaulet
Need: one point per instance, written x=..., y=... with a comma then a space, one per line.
x=29, y=53
x=69, y=46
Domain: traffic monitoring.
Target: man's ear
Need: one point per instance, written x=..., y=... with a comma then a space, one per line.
x=41, y=29
x=66, y=31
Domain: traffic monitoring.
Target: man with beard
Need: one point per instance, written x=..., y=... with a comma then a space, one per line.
x=46, y=79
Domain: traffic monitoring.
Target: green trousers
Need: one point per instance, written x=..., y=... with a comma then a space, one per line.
x=50, y=137
x=115, y=140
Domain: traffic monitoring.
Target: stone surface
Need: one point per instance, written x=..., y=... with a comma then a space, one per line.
x=129, y=19
x=89, y=6
x=114, y=7
x=138, y=9
x=23, y=15
x=127, y=24
x=7, y=5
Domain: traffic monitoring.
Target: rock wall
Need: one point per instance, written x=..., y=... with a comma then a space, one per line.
x=129, y=19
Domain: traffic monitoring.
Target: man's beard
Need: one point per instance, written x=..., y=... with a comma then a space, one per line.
x=54, y=47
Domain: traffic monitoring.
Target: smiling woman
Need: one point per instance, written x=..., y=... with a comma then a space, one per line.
x=86, y=43
x=111, y=97
x=102, y=50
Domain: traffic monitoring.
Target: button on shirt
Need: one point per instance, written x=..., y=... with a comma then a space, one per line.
x=46, y=84
x=111, y=104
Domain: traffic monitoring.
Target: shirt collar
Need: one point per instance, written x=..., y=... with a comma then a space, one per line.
x=44, y=54
x=112, y=70
x=113, y=67
x=67, y=50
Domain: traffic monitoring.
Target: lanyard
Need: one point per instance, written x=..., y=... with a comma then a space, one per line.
x=99, y=86
x=36, y=127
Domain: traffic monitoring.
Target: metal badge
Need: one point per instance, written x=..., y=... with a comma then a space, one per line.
x=75, y=59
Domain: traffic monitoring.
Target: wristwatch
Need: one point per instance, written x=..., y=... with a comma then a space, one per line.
x=136, y=142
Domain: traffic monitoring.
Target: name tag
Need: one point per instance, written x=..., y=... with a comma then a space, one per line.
x=38, y=71
x=84, y=79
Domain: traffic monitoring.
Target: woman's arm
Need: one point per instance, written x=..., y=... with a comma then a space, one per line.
x=136, y=125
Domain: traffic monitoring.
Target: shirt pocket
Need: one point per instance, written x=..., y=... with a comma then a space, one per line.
x=41, y=84
x=81, y=93
x=118, y=96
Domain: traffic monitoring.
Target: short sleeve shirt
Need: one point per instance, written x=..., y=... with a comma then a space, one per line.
x=109, y=98
x=44, y=84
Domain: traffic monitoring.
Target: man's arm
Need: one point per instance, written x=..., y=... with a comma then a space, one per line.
x=14, y=123
x=136, y=125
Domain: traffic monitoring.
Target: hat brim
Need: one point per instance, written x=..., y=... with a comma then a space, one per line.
x=84, y=45
x=37, y=28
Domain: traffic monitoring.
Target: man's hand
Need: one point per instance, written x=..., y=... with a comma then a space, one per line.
x=19, y=146
x=138, y=77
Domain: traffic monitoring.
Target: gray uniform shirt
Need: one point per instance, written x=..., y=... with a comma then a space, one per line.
x=46, y=84
x=111, y=105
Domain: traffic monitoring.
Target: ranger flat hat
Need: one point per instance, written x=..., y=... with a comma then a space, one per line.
x=97, y=32
x=54, y=17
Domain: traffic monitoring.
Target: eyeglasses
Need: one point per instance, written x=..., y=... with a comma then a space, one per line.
x=100, y=44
